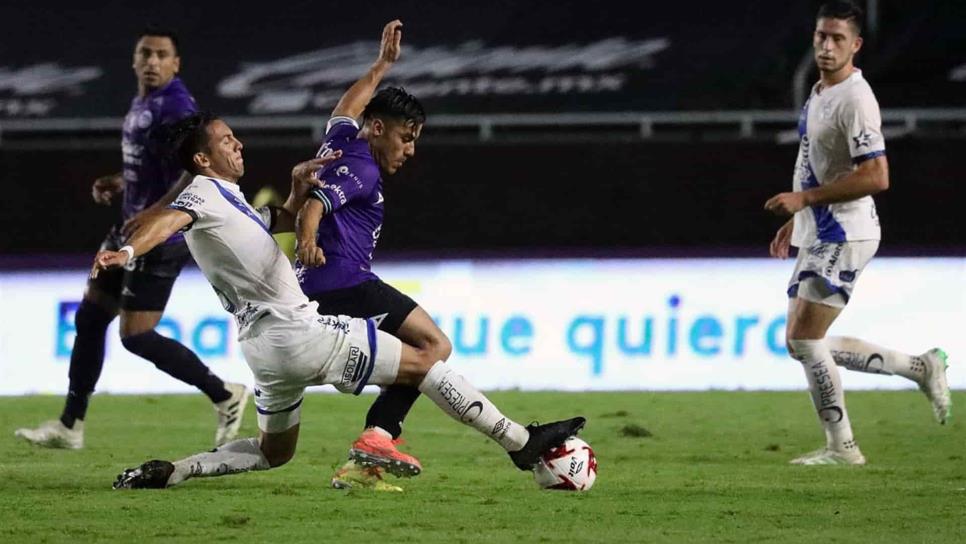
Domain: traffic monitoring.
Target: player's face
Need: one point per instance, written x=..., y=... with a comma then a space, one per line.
x=394, y=144
x=224, y=156
x=835, y=42
x=155, y=62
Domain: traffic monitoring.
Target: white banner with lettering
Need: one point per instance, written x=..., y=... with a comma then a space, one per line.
x=656, y=324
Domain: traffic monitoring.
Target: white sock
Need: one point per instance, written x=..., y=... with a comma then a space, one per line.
x=859, y=355
x=237, y=456
x=458, y=398
x=825, y=386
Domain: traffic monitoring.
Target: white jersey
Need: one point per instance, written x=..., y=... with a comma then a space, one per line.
x=839, y=127
x=233, y=244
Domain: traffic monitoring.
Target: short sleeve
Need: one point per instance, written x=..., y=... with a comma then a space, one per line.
x=201, y=201
x=862, y=124
x=343, y=182
x=341, y=127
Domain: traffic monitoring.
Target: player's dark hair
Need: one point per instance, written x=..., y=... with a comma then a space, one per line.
x=189, y=136
x=845, y=11
x=162, y=32
x=396, y=104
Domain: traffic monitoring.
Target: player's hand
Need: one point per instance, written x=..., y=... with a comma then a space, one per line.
x=305, y=175
x=783, y=241
x=108, y=259
x=390, y=46
x=786, y=203
x=105, y=187
x=310, y=255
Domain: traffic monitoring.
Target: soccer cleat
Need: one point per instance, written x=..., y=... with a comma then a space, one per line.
x=373, y=449
x=54, y=434
x=151, y=475
x=355, y=476
x=934, y=384
x=230, y=413
x=543, y=438
x=826, y=456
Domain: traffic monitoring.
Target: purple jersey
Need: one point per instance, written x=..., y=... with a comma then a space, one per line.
x=148, y=170
x=351, y=212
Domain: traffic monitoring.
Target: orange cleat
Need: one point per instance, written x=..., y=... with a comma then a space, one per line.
x=373, y=449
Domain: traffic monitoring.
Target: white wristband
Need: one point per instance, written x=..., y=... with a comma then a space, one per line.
x=130, y=252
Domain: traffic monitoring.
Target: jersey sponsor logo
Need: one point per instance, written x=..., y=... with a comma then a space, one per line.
x=189, y=200
x=379, y=199
x=333, y=322
x=337, y=189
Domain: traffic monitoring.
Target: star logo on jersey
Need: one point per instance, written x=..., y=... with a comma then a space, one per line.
x=379, y=199
x=864, y=139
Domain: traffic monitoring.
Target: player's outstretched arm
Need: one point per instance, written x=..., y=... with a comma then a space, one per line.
x=355, y=99
x=135, y=221
x=307, y=227
x=156, y=229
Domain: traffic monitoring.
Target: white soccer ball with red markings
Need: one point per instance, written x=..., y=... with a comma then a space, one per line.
x=570, y=467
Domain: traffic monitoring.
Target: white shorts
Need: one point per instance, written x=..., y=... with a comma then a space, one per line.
x=826, y=272
x=288, y=356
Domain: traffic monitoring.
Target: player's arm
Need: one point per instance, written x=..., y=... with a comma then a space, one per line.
x=307, y=228
x=355, y=99
x=868, y=178
x=782, y=241
x=105, y=187
x=135, y=221
x=305, y=176
x=155, y=230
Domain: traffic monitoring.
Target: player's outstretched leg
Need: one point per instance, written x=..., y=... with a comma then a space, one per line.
x=928, y=370
x=376, y=448
x=464, y=403
x=239, y=456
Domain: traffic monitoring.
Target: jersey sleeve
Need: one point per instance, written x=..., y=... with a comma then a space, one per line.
x=201, y=201
x=341, y=127
x=862, y=124
x=343, y=181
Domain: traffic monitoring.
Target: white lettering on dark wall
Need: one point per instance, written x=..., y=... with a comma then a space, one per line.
x=317, y=78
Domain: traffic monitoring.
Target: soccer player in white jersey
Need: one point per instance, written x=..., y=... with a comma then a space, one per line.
x=287, y=345
x=841, y=164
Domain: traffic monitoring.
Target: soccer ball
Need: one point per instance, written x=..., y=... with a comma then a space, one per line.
x=570, y=467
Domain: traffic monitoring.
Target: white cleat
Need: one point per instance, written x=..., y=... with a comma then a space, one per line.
x=230, y=413
x=826, y=456
x=54, y=434
x=934, y=384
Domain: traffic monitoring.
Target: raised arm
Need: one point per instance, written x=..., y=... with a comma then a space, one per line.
x=355, y=99
x=154, y=230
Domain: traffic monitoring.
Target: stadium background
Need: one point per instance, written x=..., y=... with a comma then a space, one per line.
x=584, y=209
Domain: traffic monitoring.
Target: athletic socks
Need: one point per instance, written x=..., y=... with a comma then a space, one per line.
x=178, y=361
x=86, y=359
x=825, y=387
x=859, y=355
x=238, y=456
x=464, y=403
x=391, y=407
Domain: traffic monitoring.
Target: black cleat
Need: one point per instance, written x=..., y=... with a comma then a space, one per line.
x=543, y=438
x=151, y=475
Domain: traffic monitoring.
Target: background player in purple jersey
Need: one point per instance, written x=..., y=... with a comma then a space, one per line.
x=338, y=228
x=139, y=292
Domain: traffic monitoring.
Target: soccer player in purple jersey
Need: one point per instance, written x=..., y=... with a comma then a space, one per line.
x=139, y=292
x=338, y=228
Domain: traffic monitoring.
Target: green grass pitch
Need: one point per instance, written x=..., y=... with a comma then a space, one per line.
x=674, y=467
